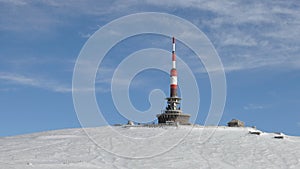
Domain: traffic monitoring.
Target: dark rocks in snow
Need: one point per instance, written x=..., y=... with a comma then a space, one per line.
x=279, y=135
x=255, y=132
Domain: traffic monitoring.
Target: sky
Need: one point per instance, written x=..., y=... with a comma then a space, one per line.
x=258, y=43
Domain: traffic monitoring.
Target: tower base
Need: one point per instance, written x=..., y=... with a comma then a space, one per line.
x=174, y=116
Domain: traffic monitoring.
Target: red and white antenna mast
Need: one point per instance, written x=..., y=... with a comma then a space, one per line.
x=173, y=113
x=173, y=73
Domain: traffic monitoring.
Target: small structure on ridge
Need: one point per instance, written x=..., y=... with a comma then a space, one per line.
x=236, y=123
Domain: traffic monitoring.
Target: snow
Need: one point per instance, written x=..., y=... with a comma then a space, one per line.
x=149, y=147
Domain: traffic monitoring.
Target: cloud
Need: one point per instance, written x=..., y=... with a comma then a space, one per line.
x=85, y=35
x=266, y=35
x=15, y=2
x=44, y=15
x=254, y=107
x=24, y=16
x=239, y=40
x=244, y=62
x=17, y=79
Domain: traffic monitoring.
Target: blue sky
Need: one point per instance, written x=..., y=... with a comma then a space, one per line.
x=257, y=41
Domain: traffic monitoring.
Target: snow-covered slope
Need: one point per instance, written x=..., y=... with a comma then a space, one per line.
x=148, y=147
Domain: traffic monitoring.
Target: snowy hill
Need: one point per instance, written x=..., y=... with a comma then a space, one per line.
x=148, y=147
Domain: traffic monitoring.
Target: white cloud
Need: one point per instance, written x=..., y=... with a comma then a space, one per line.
x=34, y=82
x=45, y=15
x=15, y=2
x=85, y=35
x=247, y=34
x=246, y=40
x=21, y=80
x=20, y=16
x=296, y=63
x=245, y=62
x=254, y=107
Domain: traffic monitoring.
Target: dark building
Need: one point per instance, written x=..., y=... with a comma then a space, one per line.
x=235, y=123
